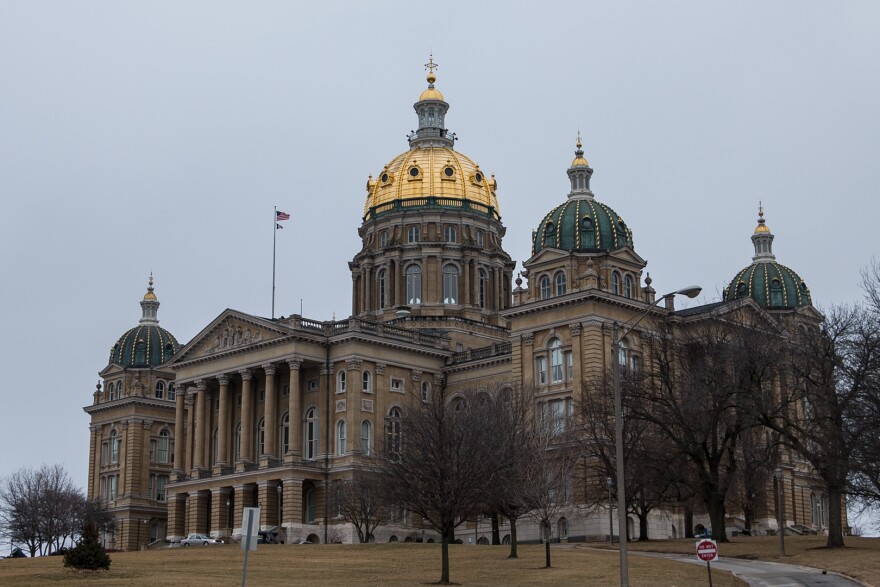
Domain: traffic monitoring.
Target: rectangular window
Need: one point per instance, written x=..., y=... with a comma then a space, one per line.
x=397, y=384
x=162, y=450
x=542, y=370
x=313, y=385
x=114, y=449
x=153, y=448
x=285, y=390
x=557, y=417
x=569, y=365
x=111, y=487
x=161, y=481
x=105, y=453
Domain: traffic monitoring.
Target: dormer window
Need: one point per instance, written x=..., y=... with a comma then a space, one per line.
x=414, y=172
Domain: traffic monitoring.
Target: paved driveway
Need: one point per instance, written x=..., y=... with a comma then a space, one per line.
x=765, y=574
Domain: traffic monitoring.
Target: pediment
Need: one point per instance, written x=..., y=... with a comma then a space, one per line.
x=230, y=331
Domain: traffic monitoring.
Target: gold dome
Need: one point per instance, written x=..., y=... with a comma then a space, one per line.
x=762, y=227
x=431, y=171
x=150, y=296
x=431, y=94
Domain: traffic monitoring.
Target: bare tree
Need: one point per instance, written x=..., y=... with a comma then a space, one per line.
x=41, y=508
x=360, y=501
x=438, y=463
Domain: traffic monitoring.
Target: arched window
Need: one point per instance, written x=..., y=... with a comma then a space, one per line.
x=160, y=389
x=111, y=392
x=284, y=435
x=383, y=239
x=340, y=438
x=114, y=447
x=560, y=283
x=775, y=293
x=366, y=436
x=382, y=289
x=163, y=448
x=412, y=234
x=414, y=284
x=544, y=287
x=627, y=286
x=340, y=382
x=426, y=391
x=311, y=434
x=140, y=353
x=367, y=384
x=481, y=288
x=450, y=284
x=479, y=238
x=430, y=117
x=623, y=354
x=237, y=442
x=615, y=283
x=261, y=437
x=393, y=432
x=449, y=234
x=555, y=361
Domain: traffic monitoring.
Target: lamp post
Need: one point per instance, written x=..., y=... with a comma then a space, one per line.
x=691, y=292
x=779, y=513
x=278, y=491
x=610, y=482
x=228, y=518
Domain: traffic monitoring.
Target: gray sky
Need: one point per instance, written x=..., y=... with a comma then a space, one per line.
x=157, y=136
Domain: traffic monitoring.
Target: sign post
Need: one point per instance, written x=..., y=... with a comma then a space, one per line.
x=250, y=525
x=707, y=550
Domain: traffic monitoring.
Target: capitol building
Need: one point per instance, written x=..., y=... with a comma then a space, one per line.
x=271, y=412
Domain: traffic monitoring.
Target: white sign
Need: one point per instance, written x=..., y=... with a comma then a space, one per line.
x=707, y=550
x=250, y=528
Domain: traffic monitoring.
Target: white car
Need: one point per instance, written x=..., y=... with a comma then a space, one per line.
x=199, y=540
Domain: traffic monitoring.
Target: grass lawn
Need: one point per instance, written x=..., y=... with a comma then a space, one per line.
x=860, y=559
x=368, y=564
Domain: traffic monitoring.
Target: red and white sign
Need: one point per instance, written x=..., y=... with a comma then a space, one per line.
x=707, y=550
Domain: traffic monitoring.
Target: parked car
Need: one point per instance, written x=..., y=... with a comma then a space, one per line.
x=199, y=540
x=269, y=536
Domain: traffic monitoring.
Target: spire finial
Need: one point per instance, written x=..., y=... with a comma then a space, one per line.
x=579, y=143
x=431, y=66
x=150, y=283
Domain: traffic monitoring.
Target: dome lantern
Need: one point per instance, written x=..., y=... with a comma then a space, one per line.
x=150, y=305
x=431, y=110
x=762, y=239
x=579, y=173
x=147, y=344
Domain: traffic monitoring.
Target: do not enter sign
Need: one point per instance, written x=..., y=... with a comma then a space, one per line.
x=707, y=550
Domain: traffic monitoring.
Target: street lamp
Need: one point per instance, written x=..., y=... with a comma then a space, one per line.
x=779, y=513
x=228, y=518
x=278, y=491
x=610, y=482
x=691, y=292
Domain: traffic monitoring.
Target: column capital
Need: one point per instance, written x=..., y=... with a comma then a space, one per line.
x=294, y=363
x=148, y=424
x=269, y=368
x=201, y=384
x=223, y=379
x=574, y=328
x=246, y=374
x=353, y=364
x=380, y=368
x=416, y=375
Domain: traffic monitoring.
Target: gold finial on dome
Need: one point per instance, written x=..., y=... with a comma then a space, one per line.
x=431, y=93
x=762, y=226
x=579, y=144
x=431, y=66
x=579, y=160
x=150, y=296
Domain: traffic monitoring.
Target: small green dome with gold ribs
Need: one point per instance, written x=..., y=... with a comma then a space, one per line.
x=147, y=344
x=771, y=284
x=581, y=223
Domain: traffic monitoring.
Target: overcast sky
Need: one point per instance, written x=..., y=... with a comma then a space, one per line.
x=158, y=136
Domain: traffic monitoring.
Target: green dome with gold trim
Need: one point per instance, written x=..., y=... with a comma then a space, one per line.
x=771, y=284
x=147, y=344
x=581, y=223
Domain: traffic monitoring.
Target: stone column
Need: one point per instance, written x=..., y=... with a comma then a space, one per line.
x=266, y=498
x=223, y=424
x=197, y=512
x=294, y=413
x=247, y=416
x=466, y=278
x=176, y=516
x=188, y=431
x=292, y=502
x=123, y=488
x=208, y=428
x=270, y=412
x=199, y=434
x=576, y=357
x=179, y=417
x=219, y=516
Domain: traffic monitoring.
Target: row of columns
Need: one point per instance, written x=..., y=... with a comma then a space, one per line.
x=193, y=411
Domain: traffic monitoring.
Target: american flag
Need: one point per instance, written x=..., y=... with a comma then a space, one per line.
x=279, y=215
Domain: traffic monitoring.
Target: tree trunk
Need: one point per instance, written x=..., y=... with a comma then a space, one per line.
x=643, y=527
x=444, y=558
x=717, y=515
x=513, y=553
x=496, y=532
x=835, y=521
x=688, y=522
x=547, y=552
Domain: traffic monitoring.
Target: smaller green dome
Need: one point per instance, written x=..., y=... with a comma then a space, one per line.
x=771, y=284
x=146, y=345
x=583, y=225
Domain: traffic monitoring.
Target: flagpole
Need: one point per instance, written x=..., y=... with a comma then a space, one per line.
x=274, y=238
